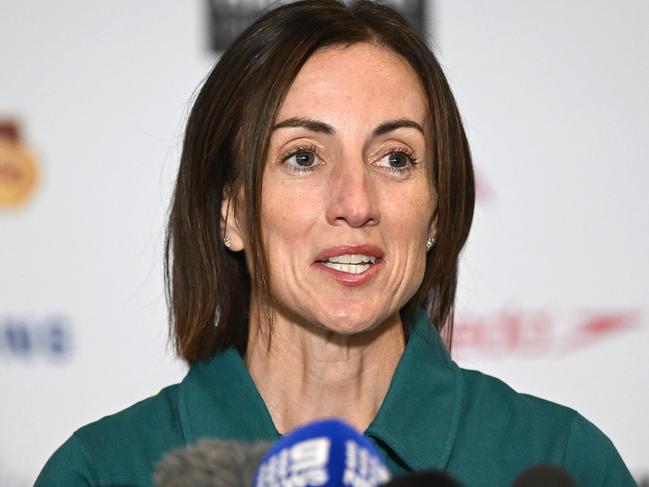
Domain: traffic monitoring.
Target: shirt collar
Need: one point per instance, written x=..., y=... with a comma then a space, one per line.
x=218, y=399
x=419, y=417
x=417, y=420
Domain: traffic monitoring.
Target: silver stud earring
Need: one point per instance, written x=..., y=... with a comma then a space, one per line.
x=429, y=243
x=226, y=241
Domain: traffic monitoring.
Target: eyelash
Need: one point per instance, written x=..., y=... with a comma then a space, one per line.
x=401, y=171
x=293, y=151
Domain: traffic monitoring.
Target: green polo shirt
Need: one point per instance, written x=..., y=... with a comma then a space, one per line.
x=434, y=416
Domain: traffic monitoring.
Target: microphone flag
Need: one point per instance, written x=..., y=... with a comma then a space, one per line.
x=326, y=453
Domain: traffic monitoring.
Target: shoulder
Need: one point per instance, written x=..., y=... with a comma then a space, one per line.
x=122, y=447
x=528, y=430
x=592, y=453
x=499, y=406
x=150, y=421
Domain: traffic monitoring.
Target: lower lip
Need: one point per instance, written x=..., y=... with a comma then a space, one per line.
x=348, y=279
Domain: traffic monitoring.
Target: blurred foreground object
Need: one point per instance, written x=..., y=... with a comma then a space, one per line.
x=211, y=463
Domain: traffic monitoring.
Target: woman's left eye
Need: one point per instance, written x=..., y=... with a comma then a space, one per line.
x=398, y=161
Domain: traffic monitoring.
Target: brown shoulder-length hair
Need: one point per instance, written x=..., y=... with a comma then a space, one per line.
x=225, y=146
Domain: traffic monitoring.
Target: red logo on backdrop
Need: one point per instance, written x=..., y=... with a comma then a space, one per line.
x=534, y=333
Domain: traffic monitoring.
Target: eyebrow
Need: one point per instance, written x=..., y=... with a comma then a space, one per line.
x=324, y=128
x=390, y=125
x=307, y=123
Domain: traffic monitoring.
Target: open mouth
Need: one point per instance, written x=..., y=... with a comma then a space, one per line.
x=350, y=263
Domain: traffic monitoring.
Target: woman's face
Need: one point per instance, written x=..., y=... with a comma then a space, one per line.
x=347, y=200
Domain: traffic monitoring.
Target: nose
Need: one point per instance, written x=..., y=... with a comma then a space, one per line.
x=353, y=199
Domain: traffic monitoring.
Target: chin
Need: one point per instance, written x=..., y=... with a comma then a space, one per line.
x=351, y=321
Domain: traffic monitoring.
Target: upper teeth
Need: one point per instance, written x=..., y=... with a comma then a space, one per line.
x=352, y=259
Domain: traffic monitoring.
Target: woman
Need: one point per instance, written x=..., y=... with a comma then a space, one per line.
x=324, y=193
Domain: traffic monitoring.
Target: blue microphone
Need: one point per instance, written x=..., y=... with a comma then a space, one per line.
x=326, y=453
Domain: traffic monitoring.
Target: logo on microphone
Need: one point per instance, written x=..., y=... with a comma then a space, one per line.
x=325, y=453
x=361, y=467
x=306, y=462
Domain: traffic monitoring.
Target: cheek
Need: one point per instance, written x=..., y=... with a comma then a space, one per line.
x=285, y=210
x=408, y=215
x=287, y=215
x=407, y=226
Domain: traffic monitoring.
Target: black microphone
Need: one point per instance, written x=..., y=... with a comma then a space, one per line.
x=424, y=478
x=544, y=475
x=210, y=463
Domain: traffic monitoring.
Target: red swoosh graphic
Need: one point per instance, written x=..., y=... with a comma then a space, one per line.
x=599, y=327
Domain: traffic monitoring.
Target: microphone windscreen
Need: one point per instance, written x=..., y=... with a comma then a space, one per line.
x=326, y=453
x=425, y=478
x=210, y=463
x=543, y=475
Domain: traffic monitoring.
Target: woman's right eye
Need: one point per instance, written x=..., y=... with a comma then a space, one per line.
x=302, y=160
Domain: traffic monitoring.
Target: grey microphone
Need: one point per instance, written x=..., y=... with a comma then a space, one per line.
x=210, y=463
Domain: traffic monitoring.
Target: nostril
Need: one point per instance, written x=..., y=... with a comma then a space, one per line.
x=354, y=203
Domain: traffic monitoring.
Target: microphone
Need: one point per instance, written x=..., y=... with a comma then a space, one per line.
x=424, y=478
x=544, y=475
x=210, y=463
x=327, y=453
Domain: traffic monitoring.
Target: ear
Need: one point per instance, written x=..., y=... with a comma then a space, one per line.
x=230, y=223
x=432, y=231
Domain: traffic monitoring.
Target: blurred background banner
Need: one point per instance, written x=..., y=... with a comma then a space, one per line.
x=227, y=18
x=554, y=285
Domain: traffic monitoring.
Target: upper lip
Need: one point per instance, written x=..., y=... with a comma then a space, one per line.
x=365, y=249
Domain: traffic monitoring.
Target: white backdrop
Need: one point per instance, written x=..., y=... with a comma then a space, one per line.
x=555, y=279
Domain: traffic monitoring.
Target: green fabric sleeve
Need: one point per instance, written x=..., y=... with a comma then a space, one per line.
x=70, y=466
x=592, y=458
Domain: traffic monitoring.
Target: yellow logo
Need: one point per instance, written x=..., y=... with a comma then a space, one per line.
x=18, y=167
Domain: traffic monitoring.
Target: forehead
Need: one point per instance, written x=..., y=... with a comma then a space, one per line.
x=345, y=84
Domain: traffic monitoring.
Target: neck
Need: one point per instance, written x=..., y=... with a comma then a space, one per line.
x=309, y=373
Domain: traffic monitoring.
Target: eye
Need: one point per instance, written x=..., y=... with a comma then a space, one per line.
x=304, y=158
x=301, y=160
x=397, y=160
